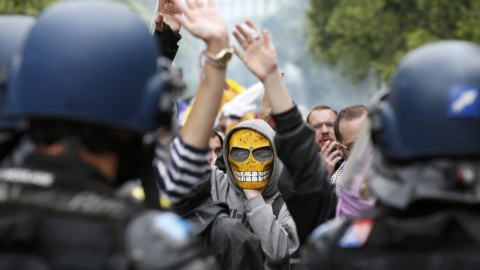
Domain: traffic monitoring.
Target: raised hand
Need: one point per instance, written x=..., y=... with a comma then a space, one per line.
x=259, y=53
x=250, y=193
x=330, y=155
x=166, y=11
x=202, y=21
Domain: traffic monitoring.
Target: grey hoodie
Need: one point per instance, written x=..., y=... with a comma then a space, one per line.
x=278, y=236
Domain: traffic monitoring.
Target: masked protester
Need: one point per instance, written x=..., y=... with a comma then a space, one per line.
x=424, y=173
x=89, y=86
x=248, y=189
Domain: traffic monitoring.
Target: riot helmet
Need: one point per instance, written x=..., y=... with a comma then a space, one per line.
x=427, y=128
x=92, y=62
x=89, y=72
x=433, y=108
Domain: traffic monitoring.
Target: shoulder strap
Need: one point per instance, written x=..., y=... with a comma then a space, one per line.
x=277, y=205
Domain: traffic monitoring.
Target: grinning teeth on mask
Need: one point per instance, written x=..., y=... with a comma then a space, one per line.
x=252, y=176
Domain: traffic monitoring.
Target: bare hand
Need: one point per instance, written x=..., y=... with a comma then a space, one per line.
x=202, y=21
x=166, y=12
x=331, y=157
x=250, y=193
x=260, y=55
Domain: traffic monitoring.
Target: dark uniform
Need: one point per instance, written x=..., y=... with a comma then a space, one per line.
x=425, y=175
x=90, y=86
x=61, y=213
x=441, y=240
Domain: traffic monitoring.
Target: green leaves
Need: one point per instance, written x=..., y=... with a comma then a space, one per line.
x=25, y=7
x=373, y=35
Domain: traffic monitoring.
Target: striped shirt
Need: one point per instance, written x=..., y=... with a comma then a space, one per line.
x=179, y=167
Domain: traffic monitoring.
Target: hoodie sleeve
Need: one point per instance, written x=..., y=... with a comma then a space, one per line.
x=304, y=183
x=181, y=170
x=278, y=236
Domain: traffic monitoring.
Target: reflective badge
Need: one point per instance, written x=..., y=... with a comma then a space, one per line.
x=464, y=102
x=357, y=234
x=173, y=225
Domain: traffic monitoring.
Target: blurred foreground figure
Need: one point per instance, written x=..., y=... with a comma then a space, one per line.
x=89, y=85
x=425, y=174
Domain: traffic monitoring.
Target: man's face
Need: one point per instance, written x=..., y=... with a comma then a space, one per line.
x=349, y=131
x=215, y=147
x=322, y=122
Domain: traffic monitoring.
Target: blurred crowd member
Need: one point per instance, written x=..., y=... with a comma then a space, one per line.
x=237, y=105
x=240, y=107
x=353, y=193
x=250, y=185
x=346, y=127
x=184, y=178
x=216, y=145
x=294, y=140
x=426, y=183
x=90, y=96
x=321, y=119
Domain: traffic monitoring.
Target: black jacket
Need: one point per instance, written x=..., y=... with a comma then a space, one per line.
x=305, y=182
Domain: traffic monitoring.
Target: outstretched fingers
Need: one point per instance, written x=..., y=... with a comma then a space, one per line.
x=266, y=36
x=240, y=39
x=185, y=9
x=199, y=3
x=246, y=35
x=256, y=33
x=190, y=3
x=161, y=4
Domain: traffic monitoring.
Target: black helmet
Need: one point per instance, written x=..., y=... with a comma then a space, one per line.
x=427, y=129
x=93, y=62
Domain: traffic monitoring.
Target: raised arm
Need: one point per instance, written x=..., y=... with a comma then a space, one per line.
x=205, y=23
x=260, y=57
x=184, y=176
x=305, y=185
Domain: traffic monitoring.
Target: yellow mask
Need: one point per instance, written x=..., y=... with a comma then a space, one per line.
x=251, y=158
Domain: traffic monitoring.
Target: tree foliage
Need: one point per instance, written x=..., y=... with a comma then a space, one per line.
x=373, y=35
x=24, y=7
x=143, y=8
x=310, y=83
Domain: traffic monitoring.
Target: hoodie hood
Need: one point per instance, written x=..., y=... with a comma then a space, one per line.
x=263, y=128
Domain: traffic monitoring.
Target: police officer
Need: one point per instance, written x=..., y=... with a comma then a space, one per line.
x=425, y=175
x=89, y=86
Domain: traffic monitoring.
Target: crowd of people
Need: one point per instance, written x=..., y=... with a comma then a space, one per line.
x=98, y=173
